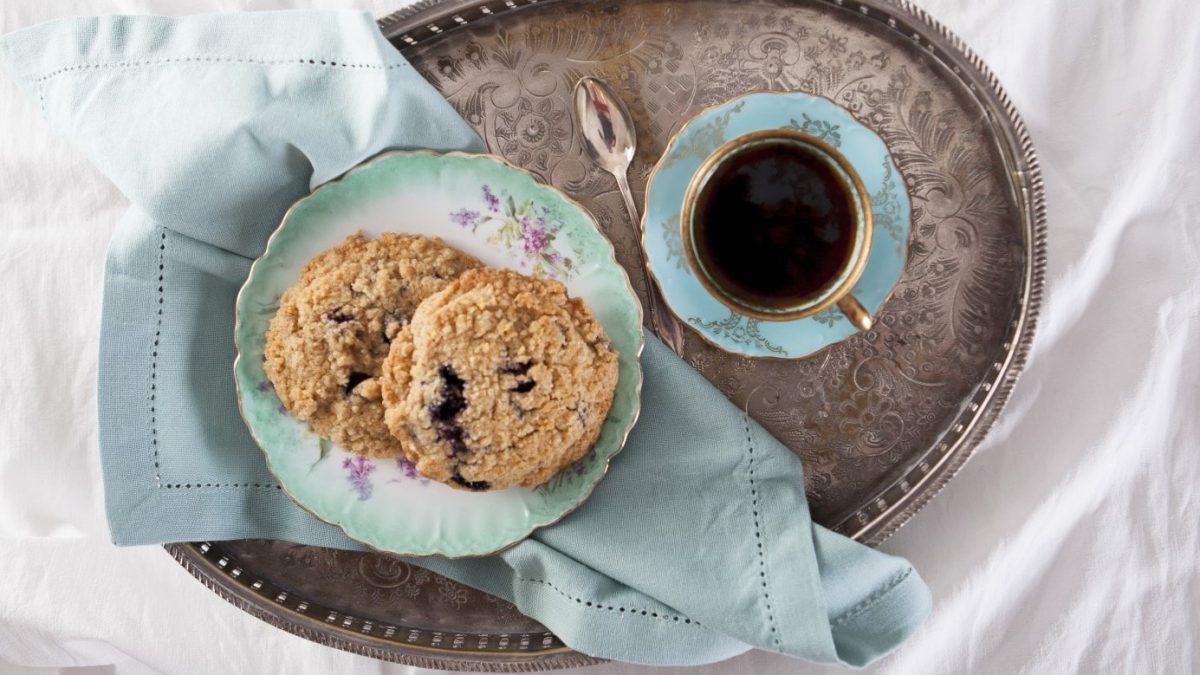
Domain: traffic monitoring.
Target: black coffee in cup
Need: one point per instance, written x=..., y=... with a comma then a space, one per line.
x=774, y=224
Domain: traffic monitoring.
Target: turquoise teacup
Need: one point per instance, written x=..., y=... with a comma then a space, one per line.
x=777, y=225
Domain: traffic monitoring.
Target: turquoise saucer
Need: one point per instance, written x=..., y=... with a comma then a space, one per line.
x=686, y=295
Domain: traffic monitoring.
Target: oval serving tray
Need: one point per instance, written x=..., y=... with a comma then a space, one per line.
x=881, y=421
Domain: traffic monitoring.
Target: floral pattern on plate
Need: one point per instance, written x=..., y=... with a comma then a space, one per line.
x=524, y=229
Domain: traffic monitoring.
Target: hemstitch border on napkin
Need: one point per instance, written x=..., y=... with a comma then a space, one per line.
x=758, y=539
x=216, y=59
x=158, y=481
x=872, y=599
x=162, y=251
x=41, y=81
x=675, y=618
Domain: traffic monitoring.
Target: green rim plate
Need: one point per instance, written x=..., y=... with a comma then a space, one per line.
x=502, y=216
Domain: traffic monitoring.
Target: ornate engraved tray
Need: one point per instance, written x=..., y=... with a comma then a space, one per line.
x=881, y=421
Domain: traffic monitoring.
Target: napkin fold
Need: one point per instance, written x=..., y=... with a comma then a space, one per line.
x=697, y=546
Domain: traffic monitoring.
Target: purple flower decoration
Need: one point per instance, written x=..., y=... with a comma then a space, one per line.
x=493, y=202
x=265, y=386
x=410, y=472
x=465, y=217
x=359, y=474
x=409, y=469
x=534, y=237
x=579, y=468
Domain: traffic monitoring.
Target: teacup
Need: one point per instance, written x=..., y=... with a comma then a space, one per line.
x=777, y=225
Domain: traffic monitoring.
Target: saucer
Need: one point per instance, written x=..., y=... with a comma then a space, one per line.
x=684, y=292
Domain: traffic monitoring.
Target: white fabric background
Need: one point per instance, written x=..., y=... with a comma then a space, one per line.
x=1068, y=544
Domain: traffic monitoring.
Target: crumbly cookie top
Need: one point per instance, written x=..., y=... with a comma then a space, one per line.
x=499, y=380
x=328, y=341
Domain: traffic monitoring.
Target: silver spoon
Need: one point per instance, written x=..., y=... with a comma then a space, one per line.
x=610, y=140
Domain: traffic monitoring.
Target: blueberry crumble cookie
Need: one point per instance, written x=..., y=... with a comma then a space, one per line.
x=331, y=335
x=499, y=380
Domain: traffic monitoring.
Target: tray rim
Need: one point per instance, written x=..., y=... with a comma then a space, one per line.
x=895, y=504
x=205, y=562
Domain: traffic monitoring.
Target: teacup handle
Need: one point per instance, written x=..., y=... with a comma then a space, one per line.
x=855, y=312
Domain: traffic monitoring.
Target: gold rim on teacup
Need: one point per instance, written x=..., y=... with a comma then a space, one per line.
x=834, y=292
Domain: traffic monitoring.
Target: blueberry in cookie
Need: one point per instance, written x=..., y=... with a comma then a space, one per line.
x=334, y=327
x=499, y=380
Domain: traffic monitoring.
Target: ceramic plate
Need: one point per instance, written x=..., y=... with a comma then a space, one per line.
x=500, y=215
x=685, y=293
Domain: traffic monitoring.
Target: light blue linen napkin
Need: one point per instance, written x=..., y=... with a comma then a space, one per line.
x=696, y=547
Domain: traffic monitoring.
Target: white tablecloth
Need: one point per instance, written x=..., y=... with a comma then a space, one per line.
x=1068, y=544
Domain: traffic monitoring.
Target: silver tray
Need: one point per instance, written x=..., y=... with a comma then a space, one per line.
x=881, y=421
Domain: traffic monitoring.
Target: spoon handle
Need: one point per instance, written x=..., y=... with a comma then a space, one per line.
x=662, y=320
x=627, y=193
